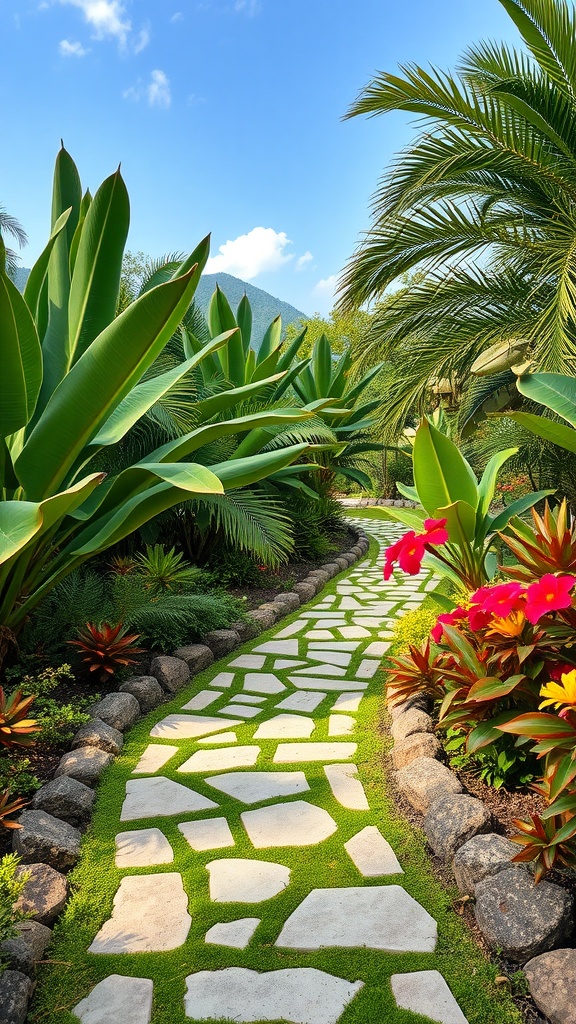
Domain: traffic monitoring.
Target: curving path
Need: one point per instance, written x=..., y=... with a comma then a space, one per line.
x=249, y=795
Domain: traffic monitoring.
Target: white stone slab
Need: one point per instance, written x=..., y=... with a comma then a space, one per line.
x=325, y=616
x=208, y=834
x=367, y=668
x=286, y=647
x=347, y=702
x=150, y=798
x=346, y=786
x=117, y=998
x=254, y=787
x=249, y=698
x=222, y=737
x=189, y=727
x=223, y=680
x=294, y=627
x=322, y=670
x=142, y=849
x=237, y=880
x=331, y=657
x=287, y=663
x=377, y=649
x=248, y=661
x=372, y=854
x=150, y=915
x=201, y=700
x=319, y=634
x=292, y=753
x=296, y=823
x=349, y=603
x=301, y=995
x=353, y=632
x=383, y=917
x=221, y=760
x=240, y=710
x=309, y=683
x=263, y=682
x=341, y=725
x=234, y=934
x=154, y=757
x=336, y=645
x=284, y=727
x=426, y=993
x=301, y=701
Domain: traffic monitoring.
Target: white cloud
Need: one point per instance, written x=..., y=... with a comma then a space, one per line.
x=71, y=49
x=302, y=261
x=107, y=18
x=158, y=90
x=249, y=7
x=327, y=286
x=177, y=16
x=261, y=250
x=142, y=39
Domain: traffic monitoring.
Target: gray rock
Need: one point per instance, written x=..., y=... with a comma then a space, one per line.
x=222, y=641
x=305, y=591
x=425, y=779
x=26, y=948
x=331, y=568
x=275, y=609
x=147, y=691
x=521, y=919
x=47, y=839
x=119, y=710
x=15, y=992
x=481, y=857
x=171, y=673
x=356, y=550
x=453, y=819
x=349, y=556
x=44, y=894
x=289, y=601
x=65, y=798
x=552, y=981
x=419, y=744
x=97, y=733
x=197, y=657
x=320, y=575
x=341, y=562
x=411, y=721
x=417, y=701
x=263, y=618
x=85, y=764
x=246, y=630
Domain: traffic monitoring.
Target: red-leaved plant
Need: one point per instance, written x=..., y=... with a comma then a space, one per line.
x=107, y=648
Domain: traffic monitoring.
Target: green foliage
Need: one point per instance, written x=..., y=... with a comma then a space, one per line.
x=17, y=776
x=11, y=887
x=343, y=330
x=414, y=627
x=314, y=520
x=58, y=719
x=501, y=765
x=175, y=620
x=163, y=570
x=230, y=567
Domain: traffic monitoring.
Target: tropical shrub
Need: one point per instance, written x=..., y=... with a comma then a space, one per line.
x=11, y=886
x=72, y=387
x=107, y=648
x=16, y=729
x=458, y=507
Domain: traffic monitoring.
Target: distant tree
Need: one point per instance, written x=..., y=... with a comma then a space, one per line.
x=343, y=330
x=10, y=226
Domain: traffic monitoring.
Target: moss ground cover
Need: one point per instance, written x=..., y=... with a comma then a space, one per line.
x=73, y=972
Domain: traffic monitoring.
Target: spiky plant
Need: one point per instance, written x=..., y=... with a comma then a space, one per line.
x=16, y=729
x=106, y=648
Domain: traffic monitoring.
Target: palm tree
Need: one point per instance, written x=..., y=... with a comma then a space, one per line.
x=482, y=206
x=10, y=226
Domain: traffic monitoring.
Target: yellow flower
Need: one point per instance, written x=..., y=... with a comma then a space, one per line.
x=511, y=626
x=559, y=694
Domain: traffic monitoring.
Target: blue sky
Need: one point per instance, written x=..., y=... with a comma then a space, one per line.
x=225, y=115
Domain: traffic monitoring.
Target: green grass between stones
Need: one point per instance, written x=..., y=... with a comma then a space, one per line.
x=71, y=972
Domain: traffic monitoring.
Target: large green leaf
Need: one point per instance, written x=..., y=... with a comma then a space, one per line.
x=20, y=360
x=516, y=508
x=554, y=390
x=243, y=472
x=322, y=367
x=487, y=484
x=98, y=265
x=271, y=340
x=20, y=521
x=411, y=517
x=98, y=382
x=244, y=321
x=550, y=430
x=441, y=474
x=38, y=276
x=460, y=522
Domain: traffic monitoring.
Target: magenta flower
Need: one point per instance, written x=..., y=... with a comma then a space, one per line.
x=411, y=548
x=448, y=619
x=549, y=594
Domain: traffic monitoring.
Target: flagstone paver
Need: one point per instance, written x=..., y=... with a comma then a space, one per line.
x=333, y=650
x=299, y=995
x=237, y=880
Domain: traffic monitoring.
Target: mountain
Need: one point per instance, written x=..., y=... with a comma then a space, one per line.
x=265, y=307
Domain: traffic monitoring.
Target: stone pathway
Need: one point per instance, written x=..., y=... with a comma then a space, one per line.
x=308, y=713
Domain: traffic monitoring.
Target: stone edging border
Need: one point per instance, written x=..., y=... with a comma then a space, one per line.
x=524, y=922
x=49, y=841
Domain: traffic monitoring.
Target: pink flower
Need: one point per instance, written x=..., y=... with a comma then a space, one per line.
x=478, y=618
x=549, y=594
x=411, y=548
x=447, y=618
x=504, y=599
